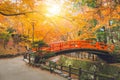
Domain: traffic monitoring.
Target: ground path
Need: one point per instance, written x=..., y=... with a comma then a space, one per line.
x=17, y=69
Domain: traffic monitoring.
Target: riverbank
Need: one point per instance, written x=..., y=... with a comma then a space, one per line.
x=99, y=67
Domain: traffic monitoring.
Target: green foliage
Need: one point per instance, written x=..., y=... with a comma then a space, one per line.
x=24, y=38
x=91, y=39
x=74, y=63
x=4, y=36
x=90, y=3
x=79, y=32
x=39, y=51
x=101, y=68
x=48, y=55
x=113, y=22
x=101, y=35
x=84, y=2
x=33, y=54
x=10, y=30
x=39, y=44
x=16, y=38
x=20, y=38
x=116, y=28
x=93, y=22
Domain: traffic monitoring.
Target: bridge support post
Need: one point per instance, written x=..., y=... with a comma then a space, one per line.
x=55, y=66
x=93, y=57
x=79, y=74
x=29, y=58
x=25, y=56
x=50, y=65
x=95, y=76
x=61, y=67
x=70, y=71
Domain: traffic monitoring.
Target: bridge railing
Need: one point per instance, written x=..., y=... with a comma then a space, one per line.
x=79, y=44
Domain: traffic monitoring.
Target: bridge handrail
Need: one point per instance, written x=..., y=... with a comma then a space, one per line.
x=79, y=44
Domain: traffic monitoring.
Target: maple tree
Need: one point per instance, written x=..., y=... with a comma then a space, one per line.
x=75, y=19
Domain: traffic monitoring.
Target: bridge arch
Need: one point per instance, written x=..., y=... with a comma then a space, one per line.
x=100, y=49
x=104, y=55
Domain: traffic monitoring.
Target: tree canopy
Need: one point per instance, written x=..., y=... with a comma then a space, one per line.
x=61, y=20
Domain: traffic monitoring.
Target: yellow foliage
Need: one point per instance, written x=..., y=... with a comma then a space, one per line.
x=61, y=27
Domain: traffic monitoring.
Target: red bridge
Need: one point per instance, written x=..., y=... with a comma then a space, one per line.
x=80, y=45
x=98, y=48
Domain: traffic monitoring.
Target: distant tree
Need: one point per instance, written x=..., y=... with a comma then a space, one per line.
x=101, y=35
x=5, y=37
x=38, y=44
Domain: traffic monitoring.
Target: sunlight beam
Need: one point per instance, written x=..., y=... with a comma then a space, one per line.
x=53, y=10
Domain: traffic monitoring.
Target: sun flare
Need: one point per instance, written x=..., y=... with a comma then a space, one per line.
x=54, y=10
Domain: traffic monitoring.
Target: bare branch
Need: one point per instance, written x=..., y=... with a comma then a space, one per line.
x=15, y=14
